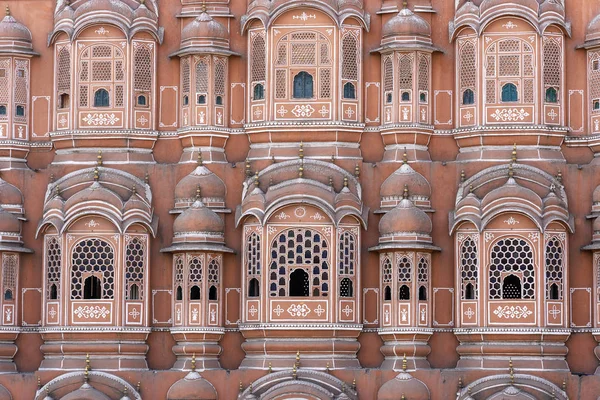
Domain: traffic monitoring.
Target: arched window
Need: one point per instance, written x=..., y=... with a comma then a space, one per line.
x=53, y=292
x=141, y=101
x=212, y=293
x=63, y=100
x=219, y=100
x=8, y=294
x=387, y=296
x=134, y=292
x=92, y=288
x=53, y=266
x=303, y=85
x=259, y=91
x=299, y=283
x=468, y=97
x=511, y=287
x=405, y=96
x=101, y=98
x=179, y=277
x=554, y=267
x=346, y=288
x=469, y=292
x=186, y=100
x=2, y=110
x=201, y=99
x=596, y=107
x=135, y=263
x=509, y=93
x=388, y=79
x=553, y=292
x=195, y=293
x=253, y=288
x=179, y=293
x=20, y=111
x=349, y=91
x=404, y=293
x=422, y=293
x=551, y=95
x=469, y=269
x=423, y=97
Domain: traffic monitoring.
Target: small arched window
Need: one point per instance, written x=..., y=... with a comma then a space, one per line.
x=469, y=292
x=423, y=97
x=142, y=101
x=349, y=91
x=509, y=93
x=195, y=293
x=92, y=288
x=346, y=288
x=186, y=100
x=551, y=95
x=219, y=100
x=201, y=99
x=468, y=97
x=405, y=96
x=2, y=110
x=101, y=98
x=422, y=293
x=63, y=101
x=179, y=293
x=596, y=107
x=253, y=288
x=20, y=111
x=511, y=287
x=212, y=293
x=404, y=293
x=303, y=85
x=134, y=292
x=387, y=294
x=53, y=292
x=553, y=292
x=259, y=91
x=8, y=294
x=388, y=98
x=299, y=283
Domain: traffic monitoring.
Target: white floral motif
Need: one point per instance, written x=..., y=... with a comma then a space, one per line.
x=534, y=236
x=134, y=313
x=555, y=312
x=95, y=312
x=347, y=310
x=101, y=119
x=510, y=114
x=300, y=212
x=304, y=16
x=252, y=310
x=195, y=314
x=278, y=310
x=62, y=121
x=304, y=110
x=319, y=310
x=282, y=111
x=282, y=215
x=510, y=25
x=552, y=114
x=324, y=112
x=350, y=112
x=8, y=315
x=468, y=116
x=52, y=312
x=92, y=224
x=102, y=31
x=300, y=310
x=511, y=221
x=405, y=113
x=513, y=312
x=488, y=236
x=469, y=313
x=317, y=216
x=142, y=120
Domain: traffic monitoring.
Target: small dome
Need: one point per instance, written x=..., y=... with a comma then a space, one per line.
x=211, y=186
x=10, y=194
x=596, y=225
x=466, y=9
x=96, y=6
x=204, y=28
x=86, y=392
x=405, y=175
x=198, y=218
x=10, y=29
x=192, y=387
x=512, y=190
x=9, y=222
x=405, y=384
x=507, y=5
x=593, y=29
x=552, y=6
x=406, y=23
x=405, y=217
x=95, y=192
x=595, y=195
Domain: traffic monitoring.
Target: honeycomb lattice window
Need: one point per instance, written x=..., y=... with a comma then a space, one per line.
x=304, y=250
x=220, y=75
x=202, y=67
x=594, y=77
x=119, y=71
x=142, y=67
x=179, y=278
x=84, y=71
x=135, y=265
x=281, y=54
x=404, y=265
x=552, y=63
x=423, y=72
x=53, y=267
x=280, y=83
x=195, y=278
x=528, y=65
x=213, y=272
x=510, y=65
x=185, y=76
x=63, y=70
x=511, y=258
x=510, y=61
x=387, y=271
x=325, y=86
x=469, y=269
x=350, y=56
x=83, y=96
x=101, y=64
x=468, y=67
x=253, y=261
x=347, y=254
x=423, y=273
x=528, y=91
x=10, y=267
x=101, y=51
x=93, y=257
x=388, y=74
x=405, y=68
x=119, y=96
x=509, y=46
x=490, y=91
x=325, y=54
x=303, y=54
x=490, y=66
x=21, y=86
x=101, y=71
x=258, y=56
x=555, y=259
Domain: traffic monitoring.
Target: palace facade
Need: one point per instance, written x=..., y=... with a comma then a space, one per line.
x=317, y=199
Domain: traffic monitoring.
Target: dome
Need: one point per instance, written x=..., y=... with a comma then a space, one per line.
x=143, y=12
x=403, y=384
x=405, y=175
x=192, y=387
x=406, y=23
x=405, y=217
x=97, y=6
x=204, y=28
x=596, y=225
x=506, y=5
x=552, y=6
x=86, y=392
x=198, y=218
x=96, y=192
x=10, y=29
x=9, y=222
x=9, y=194
x=511, y=191
x=593, y=29
x=467, y=8
x=211, y=185
x=595, y=195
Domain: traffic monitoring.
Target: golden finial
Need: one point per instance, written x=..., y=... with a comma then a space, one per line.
x=404, y=157
x=7, y=11
x=96, y=174
x=514, y=154
x=86, y=372
x=559, y=176
x=301, y=151
x=273, y=159
x=248, y=170
x=332, y=158
x=460, y=382
x=193, y=362
x=300, y=171
x=331, y=181
x=270, y=181
x=200, y=161
x=146, y=178
x=138, y=387
x=241, y=387
x=124, y=390
x=354, y=384
x=403, y=397
x=564, y=384
x=133, y=190
x=345, y=181
x=405, y=4
x=297, y=364
x=99, y=158
x=462, y=176
x=470, y=188
x=511, y=371
x=404, y=363
x=356, y=171
x=203, y=7
x=39, y=382
x=57, y=190
x=511, y=173
x=270, y=368
x=256, y=180
x=327, y=368
x=198, y=192
x=250, y=387
x=51, y=177
x=295, y=372
x=405, y=196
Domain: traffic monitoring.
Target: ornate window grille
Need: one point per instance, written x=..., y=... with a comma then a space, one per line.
x=135, y=266
x=404, y=265
x=102, y=68
x=468, y=70
x=93, y=258
x=555, y=260
x=347, y=263
x=53, y=267
x=469, y=269
x=511, y=269
x=253, y=264
x=552, y=68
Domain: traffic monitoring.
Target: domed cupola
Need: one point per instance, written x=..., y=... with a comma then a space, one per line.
x=15, y=38
x=212, y=188
x=391, y=189
x=11, y=198
x=592, y=33
x=403, y=386
x=192, y=387
x=406, y=31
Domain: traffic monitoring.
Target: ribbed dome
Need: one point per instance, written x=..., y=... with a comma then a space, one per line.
x=467, y=8
x=96, y=192
x=593, y=29
x=512, y=190
x=86, y=392
x=143, y=12
x=192, y=387
x=9, y=222
x=211, y=185
x=489, y=4
x=10, y=194
x=403, y=384
x=198, y=218
x=10, y=29
x=552, y=6
x=204, y=28
x=405, y=217
x=94, y=6
x=406, y=23
x=405, y=175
